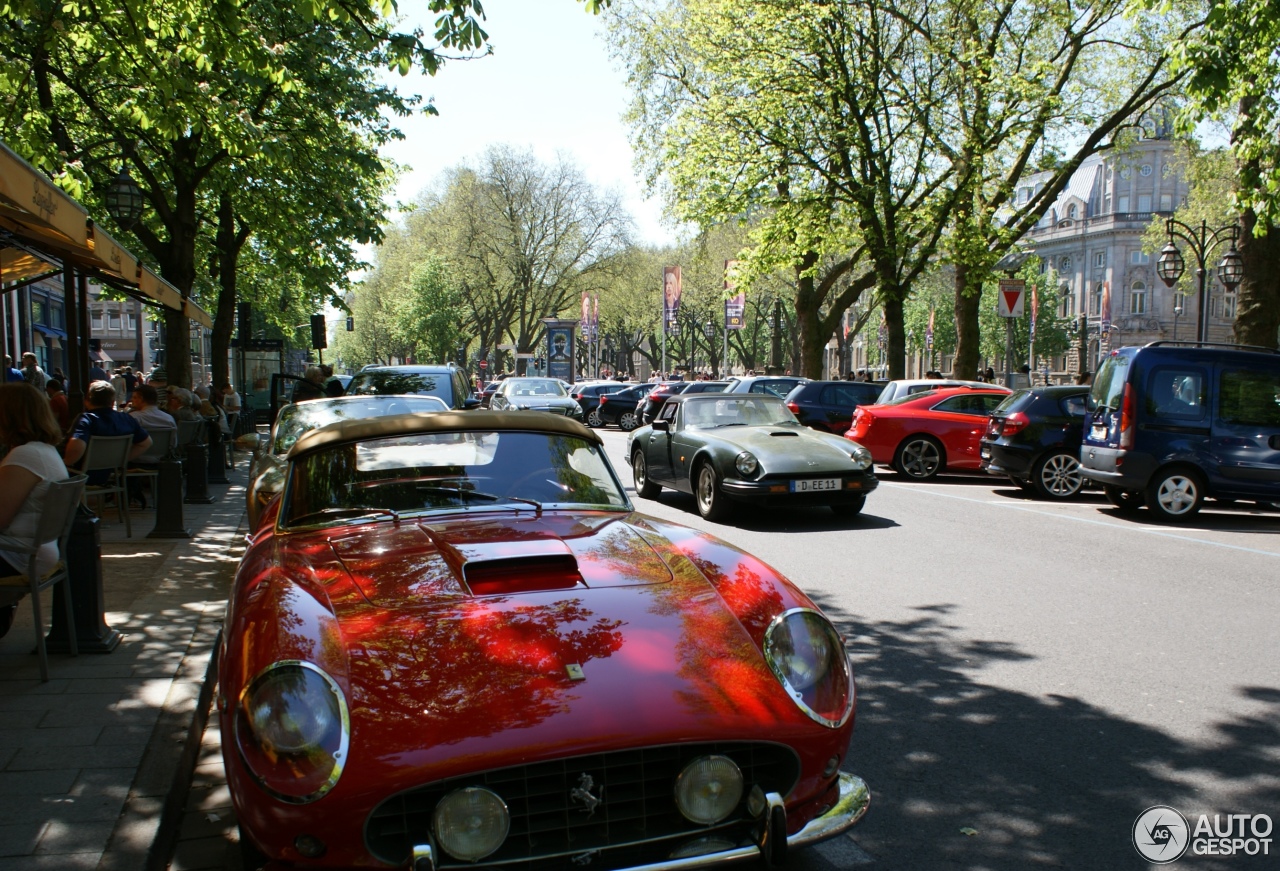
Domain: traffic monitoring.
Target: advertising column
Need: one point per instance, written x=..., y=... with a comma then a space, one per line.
x=561, y=348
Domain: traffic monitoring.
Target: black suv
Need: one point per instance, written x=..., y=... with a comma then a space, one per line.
x=448, y=382
x=1033, y=438
x=828, y=405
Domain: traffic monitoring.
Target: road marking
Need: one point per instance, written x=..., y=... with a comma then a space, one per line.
x=1160, y=532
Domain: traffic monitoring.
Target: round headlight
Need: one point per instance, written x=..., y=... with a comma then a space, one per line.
x=807, y=656
x=746, y=463
x=471, y=823
x=861, y=457
x=292, y=729
x=708, y=789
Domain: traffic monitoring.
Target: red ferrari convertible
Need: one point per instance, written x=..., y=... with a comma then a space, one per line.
x=923, y=434
x=453, y=644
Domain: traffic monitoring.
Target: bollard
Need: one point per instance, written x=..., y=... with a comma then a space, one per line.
x=217, y=455
x=168, y=498
x=197, y=467
x=84, y=566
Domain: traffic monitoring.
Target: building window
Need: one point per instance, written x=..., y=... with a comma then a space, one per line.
x=39, y=310
x=1064, y=265
x=1144, y=202
x=1146, y=169
x=1095, y=300
x=1138, y=258
x=55, y=316
x=1071, y=212
x=1122, y=204
x=1138, y=298
x=1180, y=301
x=1100, y=258
x=1166, y=202
x=113, y=320
x=1126, y=172
x=1229, y=305
x=95, y=319
x=130, y=322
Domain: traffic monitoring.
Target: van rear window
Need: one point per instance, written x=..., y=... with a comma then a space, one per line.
x=1108, y=385
x=1249, y=396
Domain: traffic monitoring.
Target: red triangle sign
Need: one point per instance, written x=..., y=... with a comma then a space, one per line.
x=1011, y=299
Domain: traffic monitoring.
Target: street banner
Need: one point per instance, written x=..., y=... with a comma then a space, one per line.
x=595, y=318
x=928, y=336
x=672, y=288
x=1011, y=297
x=586, y=315
x=1035, y=307
x=735, y=306
x=1106, y=308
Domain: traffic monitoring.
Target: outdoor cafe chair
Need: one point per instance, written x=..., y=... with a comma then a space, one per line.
x=109, y=454
x=189, y=432
x=55, y=521
x=148, y=465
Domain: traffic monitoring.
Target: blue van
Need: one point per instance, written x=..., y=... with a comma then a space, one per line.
x=1170, y=424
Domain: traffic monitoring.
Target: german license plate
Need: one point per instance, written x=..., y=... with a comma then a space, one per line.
x=1098, y=431
x=815, y=485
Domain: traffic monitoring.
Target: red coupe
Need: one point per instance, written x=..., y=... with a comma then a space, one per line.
x=923, y=434
x=453, y=644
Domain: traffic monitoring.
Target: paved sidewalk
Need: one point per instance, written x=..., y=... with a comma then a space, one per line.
x=95, y=765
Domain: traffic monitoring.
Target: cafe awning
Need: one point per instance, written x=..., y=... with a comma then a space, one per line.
x=50, y=229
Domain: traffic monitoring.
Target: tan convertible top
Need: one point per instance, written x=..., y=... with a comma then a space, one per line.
x=438, y=421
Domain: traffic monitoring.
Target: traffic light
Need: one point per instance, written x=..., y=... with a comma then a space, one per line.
x=351, y=324
x=244, y=321
x=319, y=338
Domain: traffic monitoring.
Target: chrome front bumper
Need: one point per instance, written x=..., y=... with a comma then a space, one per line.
x=852, y=804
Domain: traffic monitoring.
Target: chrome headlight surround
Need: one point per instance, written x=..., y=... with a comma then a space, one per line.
x=861, y=457
x=708, y=789
x=806, y=655
x=282, y=730
x=746, y=464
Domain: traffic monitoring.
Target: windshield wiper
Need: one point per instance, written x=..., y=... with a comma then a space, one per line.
x=340, y=512
x=456, y=491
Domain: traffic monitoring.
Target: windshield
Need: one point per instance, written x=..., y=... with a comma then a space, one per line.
x=450, y=472
x=295, y=420
x=534, y=387
x=727, y=409
x=1108, y=385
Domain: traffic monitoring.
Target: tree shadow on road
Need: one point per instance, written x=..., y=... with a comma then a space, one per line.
x=1045, y=780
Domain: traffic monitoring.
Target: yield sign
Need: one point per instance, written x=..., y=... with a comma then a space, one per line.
x=1012, y=292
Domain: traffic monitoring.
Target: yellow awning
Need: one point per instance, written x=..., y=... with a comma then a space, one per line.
x=111, y=256
x=197, y=314
x=27, y=197
x=155, y=287
x=17, y=265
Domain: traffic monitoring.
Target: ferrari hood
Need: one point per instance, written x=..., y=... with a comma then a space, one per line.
x=641, y=647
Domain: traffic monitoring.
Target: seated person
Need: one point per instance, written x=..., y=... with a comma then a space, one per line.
x=58, y=402
x=101, y=419
x=145, y=412
x=179, y=404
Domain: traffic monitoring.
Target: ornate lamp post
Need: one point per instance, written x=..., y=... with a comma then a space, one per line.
x=124, y=200
x=1202, y=241
x=709, y=330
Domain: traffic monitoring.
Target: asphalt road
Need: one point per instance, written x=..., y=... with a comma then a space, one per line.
x=1033, y=676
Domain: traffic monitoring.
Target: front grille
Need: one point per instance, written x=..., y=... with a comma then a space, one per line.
x=636, y=788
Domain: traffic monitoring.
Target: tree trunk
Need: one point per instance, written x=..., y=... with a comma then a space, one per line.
x=896, y=335
x=968, y=334
x=1258, y=305
x=229, y=243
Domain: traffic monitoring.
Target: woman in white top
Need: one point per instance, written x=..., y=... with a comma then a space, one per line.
x=30, y=432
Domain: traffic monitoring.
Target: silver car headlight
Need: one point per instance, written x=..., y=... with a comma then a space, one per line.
x=805, y=653
x=471, y=823
x=746, y=464
x=292, y=729
x=708, y=789
x=861, y=457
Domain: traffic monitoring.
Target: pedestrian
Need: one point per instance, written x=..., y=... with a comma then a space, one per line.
x=28, y=428
x=130, y=382
x=231, y=405
x=32, y=373
x=100, y=418
x=311, y=386
x=117, y=381
x=58, y=403
x=159, y=379
x=991, y=375
x=97, y=373
x=11, y=372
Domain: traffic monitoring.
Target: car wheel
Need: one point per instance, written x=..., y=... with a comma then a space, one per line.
x=1057, y=476
x=919, y=457
x=849, y=509
x=640, y=474
x=712, y=504
x=1128, y=501
x=6, y=618
x=594, y=420
x=1175, y=495
x=627, y=421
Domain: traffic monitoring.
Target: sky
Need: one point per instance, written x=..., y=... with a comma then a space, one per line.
x=549, y=85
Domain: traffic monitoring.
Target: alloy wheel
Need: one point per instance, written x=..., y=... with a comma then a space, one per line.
x=920, y=458
x=1059, y=477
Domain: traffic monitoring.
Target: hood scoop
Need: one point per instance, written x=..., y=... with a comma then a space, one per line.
x=781, y=433
x=495, y=568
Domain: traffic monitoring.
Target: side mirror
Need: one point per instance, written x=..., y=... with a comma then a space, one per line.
x=661, y=425
x=469, y=403
x=250, y=441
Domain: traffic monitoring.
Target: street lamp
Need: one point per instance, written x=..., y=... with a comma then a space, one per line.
x=1202, y=240
x=124, y=200
x=1177, y=313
